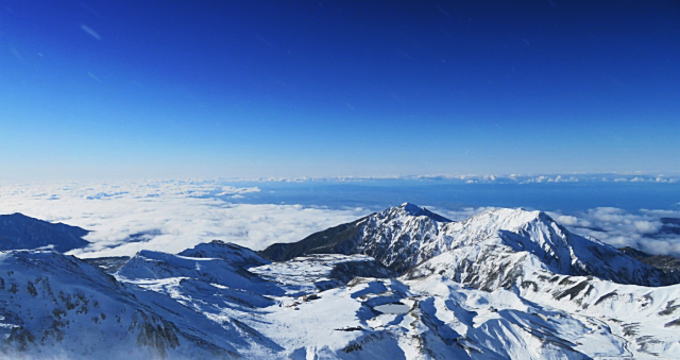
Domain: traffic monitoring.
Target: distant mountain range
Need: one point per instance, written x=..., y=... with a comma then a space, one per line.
x=403, y=283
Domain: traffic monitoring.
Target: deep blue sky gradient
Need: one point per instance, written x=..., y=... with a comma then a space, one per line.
x=325, y=88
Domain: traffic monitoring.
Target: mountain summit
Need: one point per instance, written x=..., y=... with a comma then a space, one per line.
x=415, y=210
x=394, y=237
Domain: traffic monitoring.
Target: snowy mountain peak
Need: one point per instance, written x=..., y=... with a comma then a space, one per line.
x=413, y=209
x=394, y=237
x=533, y=225
x=509, y=218
x=410, y=209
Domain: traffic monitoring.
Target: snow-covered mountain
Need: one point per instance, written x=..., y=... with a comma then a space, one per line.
x=402, y=283
x=488, y=250
x=18, y=231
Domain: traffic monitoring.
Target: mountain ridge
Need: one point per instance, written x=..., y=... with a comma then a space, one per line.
x=18, y=231
x=403, y=237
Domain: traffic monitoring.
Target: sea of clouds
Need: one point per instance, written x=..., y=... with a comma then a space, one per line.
x=173, y=215
x=642, y=230
x=166, y=216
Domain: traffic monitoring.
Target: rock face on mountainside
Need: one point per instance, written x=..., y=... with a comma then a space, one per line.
x=489, y=249
x=403, y=283
x=18, y=231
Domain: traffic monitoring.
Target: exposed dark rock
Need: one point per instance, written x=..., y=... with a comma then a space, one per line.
x=334, y=240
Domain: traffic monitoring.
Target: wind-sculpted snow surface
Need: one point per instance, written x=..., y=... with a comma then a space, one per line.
x=431, y=318
x=403, y=283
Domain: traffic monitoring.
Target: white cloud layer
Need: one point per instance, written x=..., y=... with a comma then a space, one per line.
x=175, y=213
x=643, y=230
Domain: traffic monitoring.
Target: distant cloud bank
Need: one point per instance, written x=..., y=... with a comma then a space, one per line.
x=168, y=216
x=485, y=179
x=653, y=231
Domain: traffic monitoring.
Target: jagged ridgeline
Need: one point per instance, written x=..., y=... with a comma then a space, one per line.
x=403, y=283
x=404, y=238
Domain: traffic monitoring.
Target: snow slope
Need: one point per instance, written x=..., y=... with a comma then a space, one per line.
x=432, y=318
x=59, y=306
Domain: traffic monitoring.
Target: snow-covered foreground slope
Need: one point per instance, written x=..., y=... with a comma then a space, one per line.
x=404, y=283
x=432, y=318
x=56, y=306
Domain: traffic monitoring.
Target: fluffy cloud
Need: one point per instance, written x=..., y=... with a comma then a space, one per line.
x=643, y=229
x=167, y=216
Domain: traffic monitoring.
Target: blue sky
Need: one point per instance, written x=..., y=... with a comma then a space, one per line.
x=323, y=88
